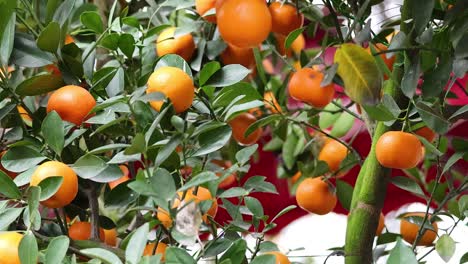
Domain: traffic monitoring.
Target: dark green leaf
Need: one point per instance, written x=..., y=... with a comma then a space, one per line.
x=452, y=160
x=21, y=158
x=243, y=155
x=127, y=44
x=89, y=166
x=213, y=140
x=163, y=184
x=52, y=130
x=234, y=192
x=27, y=54
x=421, y=13
x=235, y=253
x=261, y=123
x=344, y=191
x=198, y=180
x=292, y=36
x=433, y=119
x=110, y=41
x=8, y=187
x=407, y=184
x=176, y=255
x=49, y=39
x=386, y=238
x=7, y=31
x=207, y=71
x=411, y=76
x=62, y=14
x=39, y=85
x=228, y=75
x=50, y=186
x=138, y=145
x=264, y=259
x=173, y=60
x=254, y=206
x=167, y=149
x=92, y=20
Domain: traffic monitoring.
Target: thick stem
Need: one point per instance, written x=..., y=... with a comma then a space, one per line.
x=371, y=185
x=94, y=207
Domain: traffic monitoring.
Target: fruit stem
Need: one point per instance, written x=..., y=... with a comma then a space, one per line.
x=371, y=185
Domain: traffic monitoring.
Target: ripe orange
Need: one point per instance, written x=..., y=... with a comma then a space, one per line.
x=82, y=231
x=175, y=84
x=203, y=6
x=285, y=18
x=333, y=153
x=160, y=249
x=239, y=125
x=244, y=23
x=7, y=172
x=203, y=194
x=398, y=150
x=381, y=225
x=409, y=231
x=69, y=39
x=24, y=115
x=110, y=237
x=314, y=195
x=183, y=46
x=295, y=177
x=235, y=55
x=122, y=179
x=72, y=103
x=280, y=257
x=426, y=133
x=271, y=103
x=226, y=165
x=379, y=47
x=296, y=46
x=67, y=190
x=9, y=244
x=305, y=86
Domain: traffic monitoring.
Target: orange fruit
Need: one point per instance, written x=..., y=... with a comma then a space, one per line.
x=160, y=249
x=183, y=46
x=426, y=133
x=122, y=179
x=203, y=194
x=235, y=55
x=239, y=125
x=271, y=103
x=379, y=47
x=297, y=65
x=305, y=86
x=409, y=231
x=285, y=18
x=244, y=23
x=69, y=39
x=24, y=115
x=230, y=179
x=381, y=225
x=72, y=103
x=280, y=257
x=203, y=6
x=82, y=231
x=314, y=195
x=175, y=84
x=9, y=244
x=398, y=150
x=295, y=177
x=67, y=190
x=7, y=172
x=296, y=46
x=110, y=237
x=333, y=153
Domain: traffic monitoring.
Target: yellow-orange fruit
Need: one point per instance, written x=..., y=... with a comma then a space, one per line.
x=333, y=153
x=183, y=46
x=9, y=244
x=314, y=195
x=280, y=257
x=82, y=231
x=160, y=249
x=409, y=231
x=239, y=125
x=285, y=18
x=398, y=150
x=305, y=86
x=72, y=103
x=122, y=179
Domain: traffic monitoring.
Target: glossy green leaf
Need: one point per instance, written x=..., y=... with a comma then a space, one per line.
x=173, y=60
x=8, y=188
x=407, y=184
x=49, y=39
x=292, y=36
x=410, y=79
x=127, y=45
x=359, y=72
x=199, y=179
x=8, y=216
x=7, y=30
x=62, y=14
x=19, y=159
x=89, y=166
x=344, y=191
x=110, y=41
x=243, y=155
x=39, y=85
x=236, y=252
x=264, y=259
x=254, y=206
x=176, y=255
x=28, y=250
x=56, y=250
x=50, y=186
x=163, y=184
x=401, y=254
x=105, y=256
x=433, y=119
x=234, y=192
x=228, y=75
x=207, y=71
x=421, y=13
x=93, y=21
x=52, y=130
x=137, y=244
x=27, y=54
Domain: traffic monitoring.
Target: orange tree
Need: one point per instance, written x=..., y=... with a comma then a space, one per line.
x=125, y=125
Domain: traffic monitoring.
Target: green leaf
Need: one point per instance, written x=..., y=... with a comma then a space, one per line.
x=213, y=140
x=105, y=256
x=216, y=247
x=387, y=110
x=344, y=191
x=21, y=158
x=62, y=14
x=138, y=145
x=264, y=259
x=92, y=20
x=261, y=123
x=6, y=110
x=28, y=250
x=327, y=119
x=8, y=33
x=460, y=111
x=407, y=184
x=163, y=184
x=359, y=72
x=288, y=150
x=176, y=255
x=421, y=14
x=243, y=155
x=464, y=258
x=127, y=45
x=89, y=166
x=445, y=247
x=167, y=149
x=234, y=192
x=49, y=39
x=52, y=130
x=173, y=60
x=228, y=75
x=199, y=179
x=411, y=76
x=137, y=244
x=31, y=216
x=52, y=5
x=50, y=186
x=27, y=54
x=8, y=216
x=110, y=41
x=259, y=65
x=56, y=250
x=401, y=254
x=8, y=187
x=254, y=206
x=452, y=160
x=207, y=71
x=386, y=238
x=292, y=36
x=236, y=252
x=463, y=204
x=429, y=147
x=342, y=125
x=39, y=85
x=432, y=118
